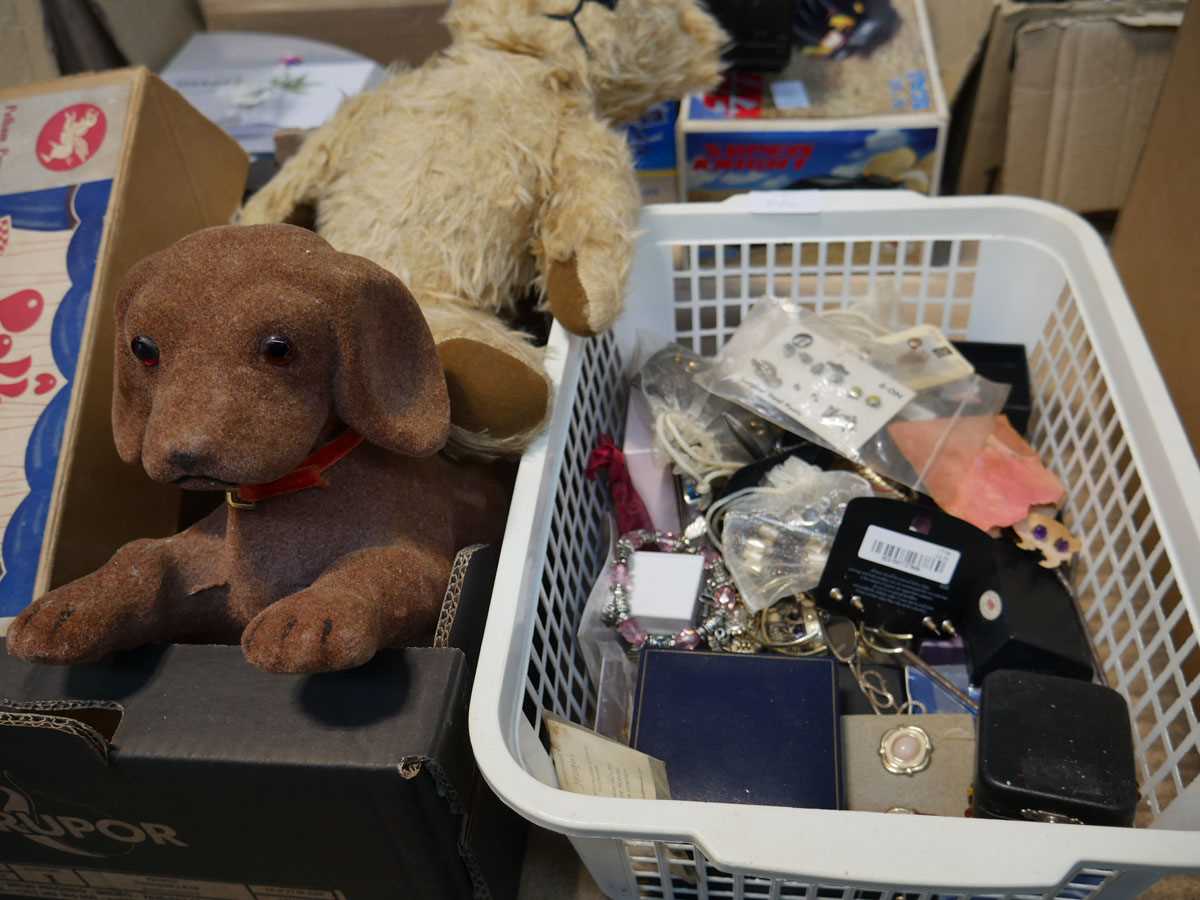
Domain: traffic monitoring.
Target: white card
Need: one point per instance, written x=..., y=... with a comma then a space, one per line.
x=778, y=202
x=790, y=94
x=829, y=390
x=921, y=357
x=589, y=763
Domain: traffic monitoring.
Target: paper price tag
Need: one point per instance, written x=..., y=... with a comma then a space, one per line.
x=841, y=398
x=589, y=763
x=778, y=202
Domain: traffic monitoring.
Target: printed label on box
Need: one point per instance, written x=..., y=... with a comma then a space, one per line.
x=785, y=160
x=61, y=883
x=62, y=151
x=57, y=140
x=911, y=93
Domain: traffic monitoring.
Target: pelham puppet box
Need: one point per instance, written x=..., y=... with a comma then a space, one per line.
x=875, y=119
x=95, y=172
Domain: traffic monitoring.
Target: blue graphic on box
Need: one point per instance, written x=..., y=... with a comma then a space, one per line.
x=779, y=160
x=911, y=93
x=81, y=209
x=652, y=138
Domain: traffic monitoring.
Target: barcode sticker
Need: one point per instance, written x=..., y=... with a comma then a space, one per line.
x=905, y=553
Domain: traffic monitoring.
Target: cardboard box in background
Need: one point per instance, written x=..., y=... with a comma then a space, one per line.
x=1083, y=93
x=1064, y=97
x=25, y=53
x=959, y=29
x=387, y=31
x=95, y=173
x=149, y=32
x=1156, y=245
x=866, y=121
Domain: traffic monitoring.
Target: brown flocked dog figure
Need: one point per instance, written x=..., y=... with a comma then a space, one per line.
x=261, y=362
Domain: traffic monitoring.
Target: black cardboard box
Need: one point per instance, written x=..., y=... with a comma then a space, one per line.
x=182, y=771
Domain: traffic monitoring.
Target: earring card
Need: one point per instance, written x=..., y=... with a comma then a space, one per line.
x=942, y=789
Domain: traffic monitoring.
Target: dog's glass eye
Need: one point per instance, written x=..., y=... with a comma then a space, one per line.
x=145, y=350
x=276, y=349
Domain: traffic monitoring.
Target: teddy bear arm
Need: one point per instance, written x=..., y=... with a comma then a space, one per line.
x=292, y=195
x=588, y=225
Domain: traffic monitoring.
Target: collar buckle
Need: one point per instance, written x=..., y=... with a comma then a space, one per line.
x=233, y=501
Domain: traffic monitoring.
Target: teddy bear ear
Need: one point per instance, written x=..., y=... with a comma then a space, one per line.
x=131, y=394
x=708, y=40
x=389, y=385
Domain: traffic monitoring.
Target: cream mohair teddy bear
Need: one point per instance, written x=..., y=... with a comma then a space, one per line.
x=492, y=173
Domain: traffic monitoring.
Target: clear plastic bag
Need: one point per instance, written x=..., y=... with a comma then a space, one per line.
x=813, y=377
x=702, y=435
x=918, y=356
x=776, y=538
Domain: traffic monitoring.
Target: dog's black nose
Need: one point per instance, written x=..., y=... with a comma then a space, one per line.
x=188, y=463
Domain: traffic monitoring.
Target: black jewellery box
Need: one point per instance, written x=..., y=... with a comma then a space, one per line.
x=1052, y=749
x=182, y=771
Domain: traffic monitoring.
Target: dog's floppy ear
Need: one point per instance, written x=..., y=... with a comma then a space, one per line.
x=388, y=385
x=131, y=398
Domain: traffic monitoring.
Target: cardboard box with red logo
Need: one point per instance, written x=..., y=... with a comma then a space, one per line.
x=95, y=172
x=181, y=771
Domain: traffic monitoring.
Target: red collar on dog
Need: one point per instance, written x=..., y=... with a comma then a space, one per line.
x=306, y=475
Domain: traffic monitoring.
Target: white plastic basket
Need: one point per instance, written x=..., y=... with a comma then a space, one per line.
x=993, y=269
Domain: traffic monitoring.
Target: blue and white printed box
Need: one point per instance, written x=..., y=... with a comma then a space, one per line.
x=96, y=172
x=652, y=141
x=760, y=133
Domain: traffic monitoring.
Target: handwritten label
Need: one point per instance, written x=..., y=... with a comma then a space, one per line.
x=589, y=763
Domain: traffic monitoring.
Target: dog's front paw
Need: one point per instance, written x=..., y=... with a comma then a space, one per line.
x=314, y=630
x=62, y=628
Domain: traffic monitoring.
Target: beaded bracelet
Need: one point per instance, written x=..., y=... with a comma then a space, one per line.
x=725, y=622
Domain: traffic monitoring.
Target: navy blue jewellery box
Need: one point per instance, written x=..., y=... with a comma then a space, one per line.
x=735, y=728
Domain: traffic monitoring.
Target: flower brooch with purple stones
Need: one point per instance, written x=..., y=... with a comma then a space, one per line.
x=1044, y=533
x=725, y=623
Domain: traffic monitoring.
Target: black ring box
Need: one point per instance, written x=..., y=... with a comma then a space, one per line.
x=1054, y=749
